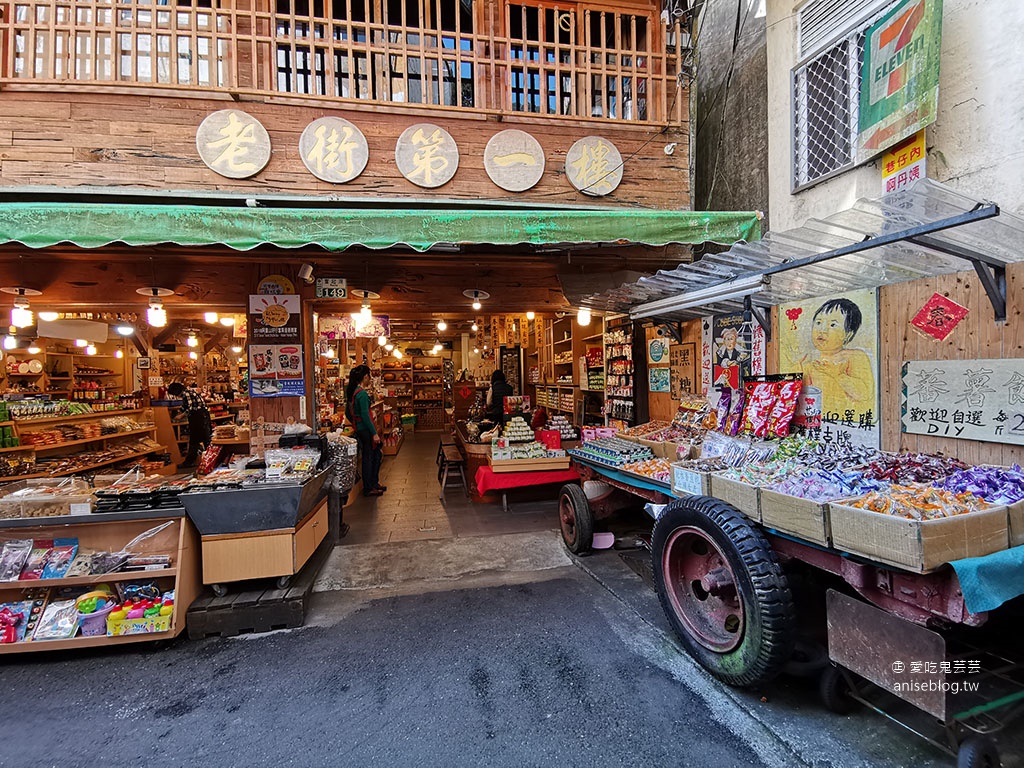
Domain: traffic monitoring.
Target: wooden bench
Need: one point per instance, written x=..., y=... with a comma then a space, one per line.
x=452, y=462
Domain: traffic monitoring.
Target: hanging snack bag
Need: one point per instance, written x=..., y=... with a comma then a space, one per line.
x=758, y=406
x=785, y=406
x=735, y=419
x=724, y=400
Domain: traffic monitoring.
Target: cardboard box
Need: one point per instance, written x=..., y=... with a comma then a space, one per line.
x=529, y=465
x=917, y=545
x=746, y=498
x=658, y=447
x=687, y=482
x=1015, y=513
x=802, y=518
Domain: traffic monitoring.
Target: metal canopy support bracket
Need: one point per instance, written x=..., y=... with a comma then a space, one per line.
x=991, y=272
x=750, y=312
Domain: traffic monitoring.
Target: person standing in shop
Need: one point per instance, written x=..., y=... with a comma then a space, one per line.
x=357, y=409
x=200, y=430
x=500, y=389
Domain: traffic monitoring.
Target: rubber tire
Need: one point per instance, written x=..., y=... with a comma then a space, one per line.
x=584, y=539
x=834, y=690
x=977, y=751
x=809, y=660
x=283, y=582
x=219, y=590
x=770, y=624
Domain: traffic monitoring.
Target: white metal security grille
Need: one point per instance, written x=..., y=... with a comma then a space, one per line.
x=819, y=22
x=826, y=99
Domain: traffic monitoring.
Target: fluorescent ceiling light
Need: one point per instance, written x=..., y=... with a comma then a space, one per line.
x=734, y=289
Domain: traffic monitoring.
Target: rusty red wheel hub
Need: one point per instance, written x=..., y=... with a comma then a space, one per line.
x=567, y=519
x=702, y=588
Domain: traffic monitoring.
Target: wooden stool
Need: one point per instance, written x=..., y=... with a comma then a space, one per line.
x=446, y=440
x=452, y=461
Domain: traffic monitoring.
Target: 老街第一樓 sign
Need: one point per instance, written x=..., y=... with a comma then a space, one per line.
x=965, y=399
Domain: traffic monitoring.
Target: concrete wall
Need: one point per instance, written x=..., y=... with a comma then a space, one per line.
x=976, y=144
x=731, y=149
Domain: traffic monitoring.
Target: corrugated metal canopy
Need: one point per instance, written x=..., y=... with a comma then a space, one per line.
x=999, y=239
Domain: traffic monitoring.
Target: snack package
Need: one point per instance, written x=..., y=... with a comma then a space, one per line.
x=14, y=621
x=59, y=560
x=13, y=557
x=758, y=406
x=735, y=418
x=732, y=450
x=59, y=621
x=724, y=401
x=785, y=406
x=37, y=560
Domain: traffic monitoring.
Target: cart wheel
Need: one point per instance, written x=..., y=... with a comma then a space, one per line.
x=809, y=659
x=283, y=582
x=219, y=590
x=835, y=692
x=575, y=518
x=723, y=590
x=978, y=751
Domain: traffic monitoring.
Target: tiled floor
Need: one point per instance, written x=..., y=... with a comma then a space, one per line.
x=410, y=509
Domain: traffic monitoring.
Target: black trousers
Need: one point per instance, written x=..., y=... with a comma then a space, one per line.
x=372, y=458
x=200, y=433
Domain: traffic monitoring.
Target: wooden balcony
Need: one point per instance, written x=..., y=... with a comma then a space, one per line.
x=559, y=61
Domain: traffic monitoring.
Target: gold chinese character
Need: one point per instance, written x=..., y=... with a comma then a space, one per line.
x=237, y=137
x=333, y=151
x=426, y=159
x=591, y=169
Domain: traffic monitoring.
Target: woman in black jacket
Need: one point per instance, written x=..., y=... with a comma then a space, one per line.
x=500, y=389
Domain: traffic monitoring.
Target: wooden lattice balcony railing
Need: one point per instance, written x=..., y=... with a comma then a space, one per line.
x=569, y=61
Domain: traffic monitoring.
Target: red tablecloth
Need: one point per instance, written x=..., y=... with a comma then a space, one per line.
x=488, y=480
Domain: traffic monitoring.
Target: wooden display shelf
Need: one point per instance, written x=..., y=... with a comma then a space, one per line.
x=80, y=469
x=26, y=375
x=77, y=417
x=53, y=446
x=91, y=579
x=80, y=375
x=179, y=541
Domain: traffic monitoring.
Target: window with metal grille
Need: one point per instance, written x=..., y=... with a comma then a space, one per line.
x=826, y=97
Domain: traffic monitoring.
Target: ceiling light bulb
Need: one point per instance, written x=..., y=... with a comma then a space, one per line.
x=474, y=327
x=192, y=341
x=34, y=349
x=530, y=315
x=442, y=325
x=236, y=349
x=476, y=351
x=328, y=353
x=227, y=320
x=398, y=354
x=477, y=305
x=10, y=342
x=193, y=355
x=389, y=347
x=90, y=350
x=210, y=317
x=125, y=330
x=80, y=343
x=366, y=311
x=48, y=316
x=156, y=315
x=583, y=316
x=21, y=315
x=119, y=354
x=382, y=340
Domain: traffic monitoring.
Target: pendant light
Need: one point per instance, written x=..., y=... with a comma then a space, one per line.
x=34, y=349
x=192, y=340
x=442, y=325
x=236, y=349
x=474, y=327
x=21, y=314
x=583, y=316
x=227, y=321
x=382, y=340
x=10, y=341
x=49, y=317
x=193, y=355
x=124, y=329
x=530, y=315
x=210, y=317
x=91, y=349
x=156, y=315
x=477, y=296
x=119, y=354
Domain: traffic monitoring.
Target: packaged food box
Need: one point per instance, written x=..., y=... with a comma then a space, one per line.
x=917, y=545
x=42, y=497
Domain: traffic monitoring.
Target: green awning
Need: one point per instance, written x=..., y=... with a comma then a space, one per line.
x=93, y=225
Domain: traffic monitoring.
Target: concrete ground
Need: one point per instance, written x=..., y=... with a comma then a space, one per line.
x=466, y=649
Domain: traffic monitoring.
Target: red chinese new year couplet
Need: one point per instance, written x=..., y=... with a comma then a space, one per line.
x=939, y=316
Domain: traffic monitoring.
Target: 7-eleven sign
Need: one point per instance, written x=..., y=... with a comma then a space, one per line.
x=900, y=76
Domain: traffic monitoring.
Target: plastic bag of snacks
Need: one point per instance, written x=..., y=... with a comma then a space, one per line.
x=785, y=406
x=760, y=398
x=735, y=417
x=732, y=450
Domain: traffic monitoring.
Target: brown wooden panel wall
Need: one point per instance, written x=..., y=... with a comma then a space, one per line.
x=69, y=139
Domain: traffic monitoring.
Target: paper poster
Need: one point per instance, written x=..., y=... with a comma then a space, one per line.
x=965, y=399
x=347, y=327
x=737, y=350
x=833, y=342
x=682, y=359
x=706, y=359
x=659, y=379
x=939, y=316
x=276, y=370
x=657, y=351
x=274, y=319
